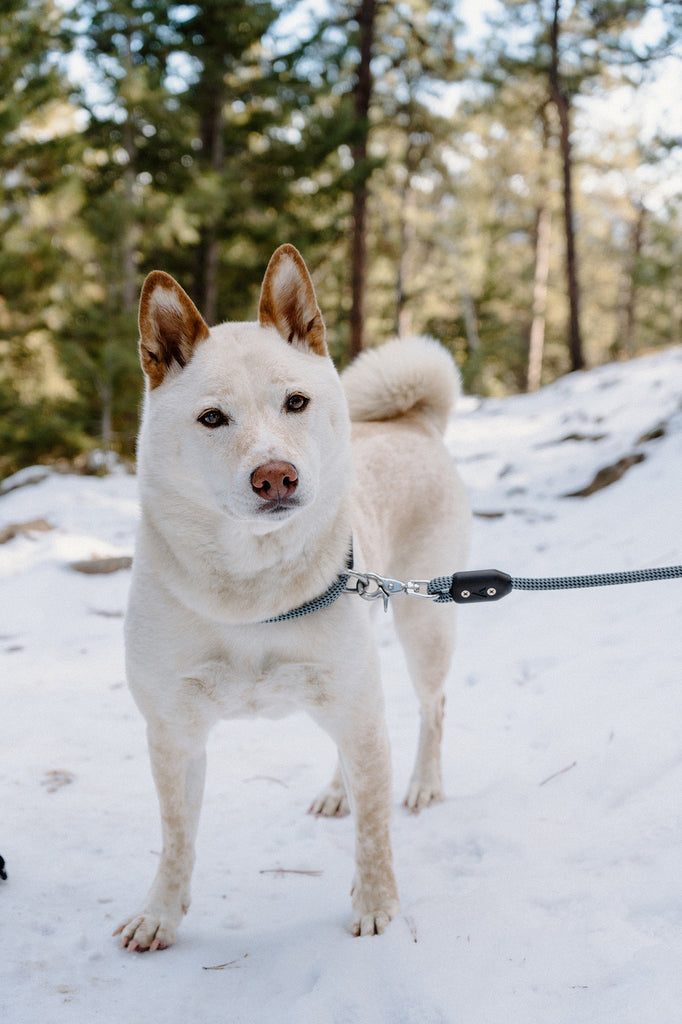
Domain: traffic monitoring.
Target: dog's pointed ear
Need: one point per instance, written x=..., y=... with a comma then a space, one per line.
x=288, y=303
x=170, y=326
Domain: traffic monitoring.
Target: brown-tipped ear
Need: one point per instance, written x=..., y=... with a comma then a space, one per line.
x=170, y=326
x=288, y=303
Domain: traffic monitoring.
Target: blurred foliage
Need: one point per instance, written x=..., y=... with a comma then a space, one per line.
x=137, y=134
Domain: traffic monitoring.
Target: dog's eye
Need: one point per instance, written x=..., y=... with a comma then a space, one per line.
x=213, y=418
x=296, y=403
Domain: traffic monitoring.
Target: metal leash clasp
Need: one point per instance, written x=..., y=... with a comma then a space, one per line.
x=370, y=586
x=420, y=588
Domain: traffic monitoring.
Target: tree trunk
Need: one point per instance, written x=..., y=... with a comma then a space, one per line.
x=129, y=283
x=106, y=413
x=627, y=344
x=211, y=133
x=561, y=101
x=403, y=316
x=125, y=295
x=537, y=327
x=366, y=15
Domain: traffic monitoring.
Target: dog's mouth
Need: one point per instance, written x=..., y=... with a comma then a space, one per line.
x=277, y=505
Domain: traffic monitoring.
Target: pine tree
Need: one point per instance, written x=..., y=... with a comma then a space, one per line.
x=570, y=47
x=377, y=64
x=39, y=146
x=230, y=105
x=134, y=175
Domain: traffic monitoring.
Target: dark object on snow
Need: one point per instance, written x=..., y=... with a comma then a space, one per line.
x=609, y=475
x=3, y=873
x=96, y=566
x=26, y=529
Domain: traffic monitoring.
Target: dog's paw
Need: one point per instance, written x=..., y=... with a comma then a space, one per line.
x=330, y=803
x=373, y=917
x=370, y=924
x=146, y=931
x=421, y=794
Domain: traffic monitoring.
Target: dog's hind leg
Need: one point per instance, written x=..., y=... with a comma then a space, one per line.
x=426, y=633
x=179, y=772
x=332, y=802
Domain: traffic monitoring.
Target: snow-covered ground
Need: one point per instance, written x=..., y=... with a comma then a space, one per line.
x=545, y=889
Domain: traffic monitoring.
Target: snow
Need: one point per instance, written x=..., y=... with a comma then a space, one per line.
x=545, y=889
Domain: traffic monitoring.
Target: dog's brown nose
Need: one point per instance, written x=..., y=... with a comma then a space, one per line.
x=274, y=480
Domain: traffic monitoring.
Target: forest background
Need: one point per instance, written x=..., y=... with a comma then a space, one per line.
x=502, y=190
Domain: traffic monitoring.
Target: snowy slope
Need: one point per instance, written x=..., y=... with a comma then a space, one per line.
x=545, y=889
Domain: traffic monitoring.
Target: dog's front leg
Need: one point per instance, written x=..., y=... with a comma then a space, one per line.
x=179, y=774
x=365, y=762
x=364, y=756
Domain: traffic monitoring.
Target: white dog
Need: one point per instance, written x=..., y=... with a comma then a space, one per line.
x=252, y=499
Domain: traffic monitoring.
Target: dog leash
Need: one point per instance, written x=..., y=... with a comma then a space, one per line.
x=473, y=587
x=484, y=585
x=331, y=594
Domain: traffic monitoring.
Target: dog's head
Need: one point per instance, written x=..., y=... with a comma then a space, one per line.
x=243, y=416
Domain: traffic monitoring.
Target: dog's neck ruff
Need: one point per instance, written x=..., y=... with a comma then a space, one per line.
x=330, y=595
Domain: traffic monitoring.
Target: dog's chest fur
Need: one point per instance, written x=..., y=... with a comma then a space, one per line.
x=271, y=685
x=213, y=670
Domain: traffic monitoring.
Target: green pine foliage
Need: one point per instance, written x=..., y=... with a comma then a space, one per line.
x=143, y=134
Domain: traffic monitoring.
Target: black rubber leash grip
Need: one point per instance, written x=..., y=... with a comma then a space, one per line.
x=480, y=586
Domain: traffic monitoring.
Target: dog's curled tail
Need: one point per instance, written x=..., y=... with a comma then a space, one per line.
x=414, y=376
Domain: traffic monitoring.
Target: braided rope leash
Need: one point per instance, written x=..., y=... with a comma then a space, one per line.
x=483, y=585
x=338, y=587
x=491, y=584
